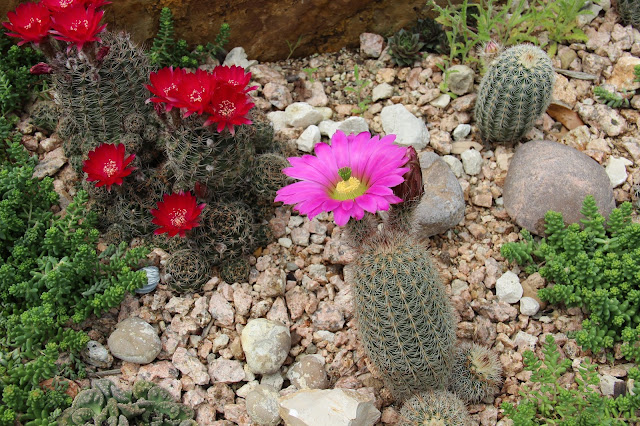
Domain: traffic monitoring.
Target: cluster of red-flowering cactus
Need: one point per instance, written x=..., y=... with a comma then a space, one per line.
x=74, y=21
x=221, y=95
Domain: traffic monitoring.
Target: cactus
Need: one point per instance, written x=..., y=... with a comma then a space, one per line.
x=267, y=176
x=404, y=316
x=106, y=404
x=629, y=11
x=187, y=269
x=435, y=408
x=404, y=48
x=134, y=123
x=45, y=115
x=514, y=93
x=476, y=372
x=235, y=270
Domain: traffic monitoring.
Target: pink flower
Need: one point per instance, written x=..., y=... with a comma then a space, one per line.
x=30, y=21
x=78, y=25
x=177, y=213
x=352, y=175
x=107, y=165
x=229, y=107
x=164, y=85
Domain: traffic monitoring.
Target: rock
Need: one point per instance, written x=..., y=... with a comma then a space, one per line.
x=237, y=56
x=318, y=96
x=221, y=310
x=441, y=101
x=134, y=340
x=617, y=170
x=566, y=56
x=545, y=175
x=225, y=370
x=622, y=76
x=51, y=143
x=460, y=79
x=525, y=341
x=50, y=164
x=529, y=306
x=461, y=131
x=331, y=407
x=265, y=344
x=272, y=282
x=461, y=146
x=190, y=366
x=471, y=161
x=371, y=45
x=309, y=373
x=442, y=204
x=278, y=120
x=301, y=114
x=381, y=91
x=353, y=125
x=577, y=138
x=456, y=165
x=608, y=384
x=262, y=405
x=277, y=94
x=328, y=317
x=97, y=355
x=530, y=287
x=308, y=139
x=508, y=288
x=409, y=129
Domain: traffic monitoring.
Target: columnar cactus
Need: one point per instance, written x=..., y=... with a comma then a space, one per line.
x=514, y=93
x=404, y=315
x=434, y=408
x=629, y=11
x=476, y=372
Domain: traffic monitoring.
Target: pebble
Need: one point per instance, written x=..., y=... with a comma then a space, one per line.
x=190, y=366
x=308, y=139
x=265, y=344
x=508, y=288
x=285, y=242
x=309, y=373
x=262, y=405
x=460, y=79
x=617, y=170
x=409, y=129
x=461, y=131
x=225, y=370
x=97, y=355
x=301, y=114
x=529, y=306
x=134, y=340
x=471, y=161
x=371, y=45
x=441, y=101
x=381, y=91
x=455, y=164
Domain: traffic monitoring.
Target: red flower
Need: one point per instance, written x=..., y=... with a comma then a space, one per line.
x=234, y=76
x=177, y=213
x=107, y=165
x=229, y=107
x=31, y=22
x=78, y=25
x=164, y=85
x=194, y=91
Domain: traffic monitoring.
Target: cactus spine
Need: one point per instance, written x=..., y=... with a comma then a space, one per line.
x=405, y=319
x=629, y=11
x=434, y=408
x=514, y=93
x=476, y=372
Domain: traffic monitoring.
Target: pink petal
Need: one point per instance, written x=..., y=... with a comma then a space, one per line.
x=341, y=217
x=367, y=202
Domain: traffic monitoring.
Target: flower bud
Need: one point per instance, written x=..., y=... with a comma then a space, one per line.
x=102, y=52
x=411, y=188
x=41, y=68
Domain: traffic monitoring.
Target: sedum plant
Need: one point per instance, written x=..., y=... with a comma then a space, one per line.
x=514, y=93
x=596, y=268
x=550, y=403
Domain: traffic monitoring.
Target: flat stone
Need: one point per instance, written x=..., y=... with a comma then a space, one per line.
x=134, y=340
x=262, y=405
x=409, y=129
x=225, y=370
x=545, y=175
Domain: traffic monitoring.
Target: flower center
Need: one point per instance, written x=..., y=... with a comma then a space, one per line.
x=170, y=88
x=80, y=23
x=178, y=217
x=196, y=96
x=65, y=3
x=110, y=168
x=226, y=108
x=349, y=187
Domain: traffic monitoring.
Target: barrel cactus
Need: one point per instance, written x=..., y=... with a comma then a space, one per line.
x=514, y=93
x=629, y=11
x=437, y=408
x=404, y=315
x=476, y=372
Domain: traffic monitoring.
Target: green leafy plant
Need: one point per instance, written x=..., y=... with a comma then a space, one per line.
x=612, y=99
x=561, y=22
x=166, y=51
x=309, y=72
x=293, y=46
x=50, y=275
x=358, y=90
x=550, y=403
x=405, y=47
x=596, y=268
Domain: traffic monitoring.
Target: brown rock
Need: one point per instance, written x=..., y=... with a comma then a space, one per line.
x=545, y=175
x=622, y=76
x=530, y=287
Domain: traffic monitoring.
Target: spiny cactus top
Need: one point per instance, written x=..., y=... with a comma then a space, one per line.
x=514, y=92
x=352, y=175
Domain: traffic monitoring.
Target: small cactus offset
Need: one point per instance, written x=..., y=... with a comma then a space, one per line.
x=434, y=408
x=187, y=270
x=629, y=11
x=514, y=93
x=476, y=372
x=404, y=315
x=45, y=115
x=267, y=176
x=404, y=48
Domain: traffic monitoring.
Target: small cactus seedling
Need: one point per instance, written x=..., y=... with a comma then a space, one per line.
x=188, y=270
x=476, y=372
x=434, y=408
x=514, y=93
x=404, y=315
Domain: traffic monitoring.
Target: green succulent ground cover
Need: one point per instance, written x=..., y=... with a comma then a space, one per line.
x=596, y=268
x=50, y=278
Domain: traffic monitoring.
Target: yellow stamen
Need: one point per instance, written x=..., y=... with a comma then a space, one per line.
x=348, y=189
x=110, y=168
x=178, y=217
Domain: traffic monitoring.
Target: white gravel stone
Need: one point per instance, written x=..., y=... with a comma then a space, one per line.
x=328, y=127
x=309, y=138
x=285, y=242
x=381, y=91
x=471, y=161
x=301, y=114
x=237, y=56
x=409, y=129
x=461, y=131
x=441, y=101
x=508, y=288
x=529, y=306
x=135, y=340
x=278, y=120
x=617, y=171
x=607, y=384
x=262, y=405
x=353, y=125
x=454, y=164
x=524, y=341
x=265, y=344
